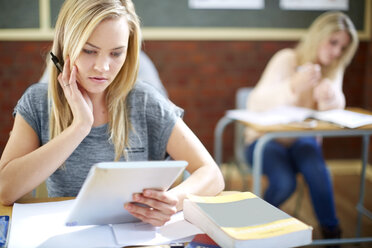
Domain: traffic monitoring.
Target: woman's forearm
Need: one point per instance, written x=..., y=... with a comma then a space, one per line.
x=21, y=175
x=207, y=181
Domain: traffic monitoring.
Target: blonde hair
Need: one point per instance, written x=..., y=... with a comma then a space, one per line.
x=76, y=21
x=324, y=26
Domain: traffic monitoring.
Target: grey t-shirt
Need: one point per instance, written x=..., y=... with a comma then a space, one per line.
x=152, y=116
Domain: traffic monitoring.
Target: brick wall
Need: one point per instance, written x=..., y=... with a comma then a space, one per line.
x=200, y=76
x=21, y=64
x=367, y=96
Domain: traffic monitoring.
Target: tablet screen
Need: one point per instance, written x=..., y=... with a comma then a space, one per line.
x=110, y=185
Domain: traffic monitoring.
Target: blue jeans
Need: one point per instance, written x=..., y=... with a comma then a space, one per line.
x=281, y=164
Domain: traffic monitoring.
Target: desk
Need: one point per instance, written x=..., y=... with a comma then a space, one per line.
x=45, y=214
x=323, y=129
x=7, y=210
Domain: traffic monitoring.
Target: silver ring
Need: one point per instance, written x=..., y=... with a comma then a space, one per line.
x=66, y=85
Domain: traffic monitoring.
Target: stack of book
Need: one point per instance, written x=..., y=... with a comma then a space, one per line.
x=202, y=241
x=244, y=220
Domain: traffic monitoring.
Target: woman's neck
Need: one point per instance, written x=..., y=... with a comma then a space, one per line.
x=100, y=112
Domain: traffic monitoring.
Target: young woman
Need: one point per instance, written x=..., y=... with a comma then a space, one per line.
x=95, y=111
x=310, y=76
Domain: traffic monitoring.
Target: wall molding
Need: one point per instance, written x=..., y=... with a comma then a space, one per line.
x=46, y=32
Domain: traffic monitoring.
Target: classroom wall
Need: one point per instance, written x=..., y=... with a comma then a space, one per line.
x=200, y=76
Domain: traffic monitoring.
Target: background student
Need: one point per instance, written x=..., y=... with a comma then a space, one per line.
x=310, y=76
x=95, y=111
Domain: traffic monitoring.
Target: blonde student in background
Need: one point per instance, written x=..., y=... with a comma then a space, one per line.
x=309, y=75
x=95, y=110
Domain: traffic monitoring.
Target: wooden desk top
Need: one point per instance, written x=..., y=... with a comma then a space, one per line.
x=320, y=125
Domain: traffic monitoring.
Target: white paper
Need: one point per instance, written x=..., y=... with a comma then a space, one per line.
x=280, y=115
x=344, y=118
x=314, y=4
x=43, y=225
x=145, y=234
x=226, y=4
x=290, y=114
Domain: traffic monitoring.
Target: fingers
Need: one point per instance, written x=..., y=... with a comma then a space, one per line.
x=72, y=81
x=308, y=76
x=67, y=77
x=311, y=69
x=315, y=73
x=67, y=80
x=327, y=93
x=63, y=77
x=147, y=214
x=160, y=206
x=324, y=91
x=157, y=200
x=160, y=196
x=317, y=68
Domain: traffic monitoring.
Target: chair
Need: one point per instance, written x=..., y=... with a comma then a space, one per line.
x=241, y=97
x=244, y=167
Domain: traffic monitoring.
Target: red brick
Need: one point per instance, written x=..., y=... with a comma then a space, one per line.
x=200, y=76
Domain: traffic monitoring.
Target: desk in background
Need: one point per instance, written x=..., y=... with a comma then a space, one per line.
x=323, y=129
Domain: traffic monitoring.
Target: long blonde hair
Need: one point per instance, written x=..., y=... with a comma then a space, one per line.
x=323, y=26
x=76, y=21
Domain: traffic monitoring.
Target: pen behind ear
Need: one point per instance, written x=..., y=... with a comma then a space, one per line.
x=56, y=62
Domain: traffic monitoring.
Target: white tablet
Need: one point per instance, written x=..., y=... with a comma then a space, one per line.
x=110, y=185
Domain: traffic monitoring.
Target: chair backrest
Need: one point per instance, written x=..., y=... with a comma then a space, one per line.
x=241, y=98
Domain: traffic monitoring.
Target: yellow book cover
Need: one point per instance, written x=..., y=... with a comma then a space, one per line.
x=241, y=219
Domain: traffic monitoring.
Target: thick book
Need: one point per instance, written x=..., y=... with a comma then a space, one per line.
x=202, y=241
x=290, y=114
x=245, y=220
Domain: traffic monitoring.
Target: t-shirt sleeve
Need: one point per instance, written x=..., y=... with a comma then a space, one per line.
x=28, y=106
x=153, y=119
x=163, y=119
x=162, y=116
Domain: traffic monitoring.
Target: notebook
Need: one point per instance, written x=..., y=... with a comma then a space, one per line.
x=110, y=185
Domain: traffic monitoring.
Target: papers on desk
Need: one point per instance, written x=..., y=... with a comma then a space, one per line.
x=176, y=230
x=344, y=118
x=281, y=115
x=43, y=225
x=290, y=114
